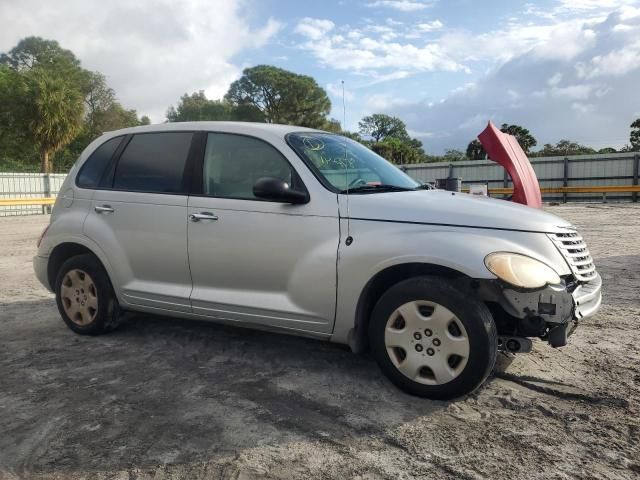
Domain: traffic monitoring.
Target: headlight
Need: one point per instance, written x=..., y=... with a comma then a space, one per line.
x=520, y=270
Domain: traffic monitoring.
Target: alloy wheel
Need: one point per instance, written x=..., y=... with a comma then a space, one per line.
x=79, y=297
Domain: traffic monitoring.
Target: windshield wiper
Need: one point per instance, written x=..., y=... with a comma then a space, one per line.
x=376, y=188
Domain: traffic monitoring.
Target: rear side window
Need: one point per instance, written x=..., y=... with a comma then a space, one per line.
x=93, y=169
x=153, y=162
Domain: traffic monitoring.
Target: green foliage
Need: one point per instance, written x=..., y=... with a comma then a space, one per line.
x=282, y=96
x=51, y=108
x=564, y=147
x=523, y=136
x=475, y=151
x=390, y=139
x=634, y=137
x=607, y=150
x=352, y=135
x=197, y=107
x=380, y=126
x=36, y=51
x=56, y=117
x=399, y=151
x=453, y=155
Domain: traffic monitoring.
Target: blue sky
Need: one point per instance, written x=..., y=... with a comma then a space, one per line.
x=562, y=68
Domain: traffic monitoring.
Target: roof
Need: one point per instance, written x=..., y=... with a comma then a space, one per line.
x=232, y=127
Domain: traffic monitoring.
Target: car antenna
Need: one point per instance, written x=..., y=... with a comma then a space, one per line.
x=349, y=239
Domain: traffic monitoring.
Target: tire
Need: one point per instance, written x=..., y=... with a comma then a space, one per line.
x=85, y=297
x=449, y=339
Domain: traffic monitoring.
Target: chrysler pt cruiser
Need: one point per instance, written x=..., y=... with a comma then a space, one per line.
x=301, y=231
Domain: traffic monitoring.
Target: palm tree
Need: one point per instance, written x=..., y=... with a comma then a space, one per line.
x=57, y=116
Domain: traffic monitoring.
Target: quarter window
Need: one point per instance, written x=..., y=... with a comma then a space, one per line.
x=233, y=164
x=93, y=169
x=154, y=162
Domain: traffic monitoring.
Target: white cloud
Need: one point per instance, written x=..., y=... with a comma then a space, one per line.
x=555, y=79
x=371, y=49
x=572, y=92
x=430, y=26
x=590, y=5
x=615, y=63
x=151, y=53
x=586, y=94
x=314, y=28
x=402, y=5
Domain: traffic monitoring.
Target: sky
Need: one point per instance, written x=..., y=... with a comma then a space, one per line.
x=561, y=68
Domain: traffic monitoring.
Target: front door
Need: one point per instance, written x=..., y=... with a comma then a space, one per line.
x=256, y=261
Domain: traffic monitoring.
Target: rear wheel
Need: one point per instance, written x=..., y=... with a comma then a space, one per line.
x=431, y=340
x=85, y=297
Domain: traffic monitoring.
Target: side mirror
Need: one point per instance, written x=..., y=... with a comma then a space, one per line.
x=271, y=188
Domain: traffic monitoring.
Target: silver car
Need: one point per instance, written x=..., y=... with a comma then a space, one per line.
x=306, y=232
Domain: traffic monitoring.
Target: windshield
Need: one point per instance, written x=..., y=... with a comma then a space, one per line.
x=347, y=165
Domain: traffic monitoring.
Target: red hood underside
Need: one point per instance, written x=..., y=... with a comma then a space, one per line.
x=504, y=149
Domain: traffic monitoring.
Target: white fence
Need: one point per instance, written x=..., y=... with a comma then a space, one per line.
x=577, y=170
x=571, y=171
x=28, y=185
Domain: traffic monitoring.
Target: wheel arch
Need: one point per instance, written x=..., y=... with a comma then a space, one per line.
x=380, y=283
x=62, y=252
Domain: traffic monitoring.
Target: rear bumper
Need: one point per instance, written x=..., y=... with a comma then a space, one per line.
x=40, y=268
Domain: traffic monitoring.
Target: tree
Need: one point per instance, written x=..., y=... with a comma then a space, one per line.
x=380, y=126
x=332, y=125
x=197, y=107
x=564, y=147
x=57, y=115
x=99, y=99
x=281, y=96
x=523, y=136
x=40, y=83
x=398, y=151
x=634, y=137
x=452, y=155
x=475, y=150
x=33, y=51
x=607, y=150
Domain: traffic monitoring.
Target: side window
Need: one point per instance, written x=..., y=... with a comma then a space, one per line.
x=153, y=162
x=233, y=164
x=92, y=170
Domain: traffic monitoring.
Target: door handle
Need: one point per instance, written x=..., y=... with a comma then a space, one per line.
x=196, y=217
x=103, y=209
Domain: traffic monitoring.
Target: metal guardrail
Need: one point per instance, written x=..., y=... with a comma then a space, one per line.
x=580, y=171
x=23, y=202
x=28, y=189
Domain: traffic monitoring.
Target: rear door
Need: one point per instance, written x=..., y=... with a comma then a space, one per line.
x=255, y=261
x=139, y=220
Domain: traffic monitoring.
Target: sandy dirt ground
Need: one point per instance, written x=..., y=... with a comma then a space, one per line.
x=161, y=398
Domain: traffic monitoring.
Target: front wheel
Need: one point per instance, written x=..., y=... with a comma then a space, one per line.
x=431, y=340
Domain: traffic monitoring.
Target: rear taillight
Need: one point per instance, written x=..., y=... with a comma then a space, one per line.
x=44, y=232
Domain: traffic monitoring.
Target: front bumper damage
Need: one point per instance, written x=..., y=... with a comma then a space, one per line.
x=551, y=313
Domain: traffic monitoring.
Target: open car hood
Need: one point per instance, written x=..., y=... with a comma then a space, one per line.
x=504, y=149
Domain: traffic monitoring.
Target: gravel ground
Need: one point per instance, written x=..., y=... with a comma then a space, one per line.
x=161, y=398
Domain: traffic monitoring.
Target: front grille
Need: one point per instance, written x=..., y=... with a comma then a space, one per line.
x=575, y=251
